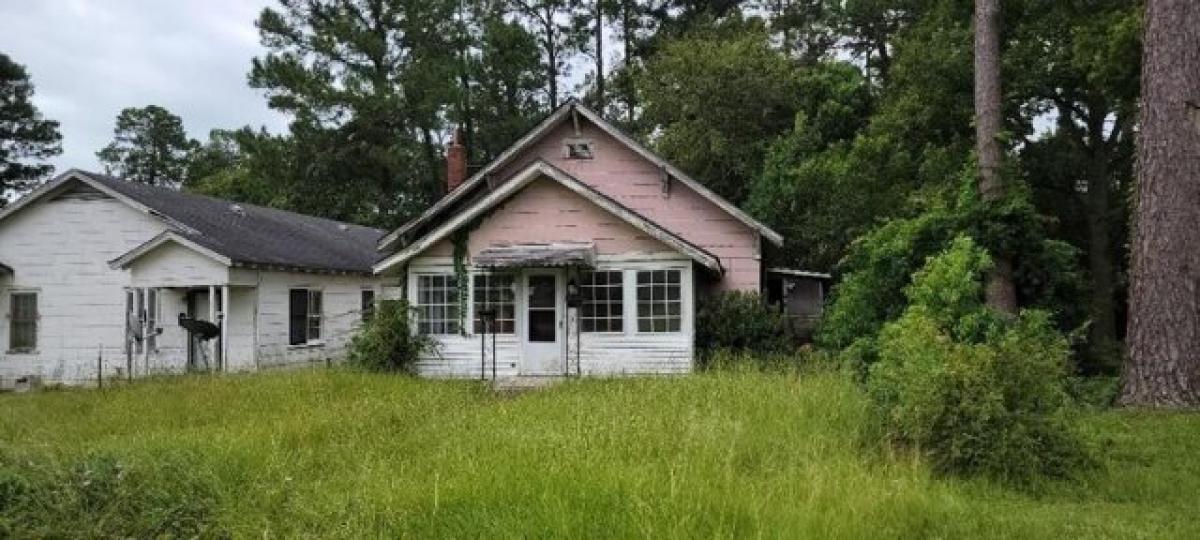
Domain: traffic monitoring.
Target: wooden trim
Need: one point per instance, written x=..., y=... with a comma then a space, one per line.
x=540, y=169
x=124, y=261
x=574, y=107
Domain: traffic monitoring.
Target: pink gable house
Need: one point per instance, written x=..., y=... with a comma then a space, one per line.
x=585, y=254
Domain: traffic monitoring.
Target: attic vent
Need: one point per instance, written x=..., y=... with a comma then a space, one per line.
x=237, y=209
x=577, y=149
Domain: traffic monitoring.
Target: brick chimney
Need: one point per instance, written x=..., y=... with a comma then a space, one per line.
x=456, y=161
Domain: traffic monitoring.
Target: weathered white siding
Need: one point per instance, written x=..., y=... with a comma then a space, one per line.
x=341, y=316
x=61, y=249
x=173, y=265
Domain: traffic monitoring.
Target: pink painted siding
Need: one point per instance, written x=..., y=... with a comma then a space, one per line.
x=622, y=174
x=545, y=211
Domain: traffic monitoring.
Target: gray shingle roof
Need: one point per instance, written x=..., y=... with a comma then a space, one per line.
x=257, y=236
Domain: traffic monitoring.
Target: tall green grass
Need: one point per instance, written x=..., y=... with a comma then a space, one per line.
x=345, y=454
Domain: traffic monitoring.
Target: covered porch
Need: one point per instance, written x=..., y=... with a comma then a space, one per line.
x=554, y=310
x=186, y=310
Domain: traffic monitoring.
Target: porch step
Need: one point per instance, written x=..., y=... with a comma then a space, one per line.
x=524, y=384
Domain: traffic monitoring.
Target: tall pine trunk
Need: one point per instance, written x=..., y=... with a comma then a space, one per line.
x=600, y=95
x=1001, y=294
x=1163, y=364
x=1102, y=335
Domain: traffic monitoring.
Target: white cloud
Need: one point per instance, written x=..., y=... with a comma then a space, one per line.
x=91, y=58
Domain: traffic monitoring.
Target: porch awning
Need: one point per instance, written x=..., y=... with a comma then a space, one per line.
x=536, y=255
x=4, y=269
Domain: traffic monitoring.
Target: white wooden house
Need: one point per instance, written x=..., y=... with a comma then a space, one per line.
x=588, y=251
x=95, y=273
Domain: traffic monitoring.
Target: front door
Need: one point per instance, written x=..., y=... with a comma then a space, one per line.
x=543, y=341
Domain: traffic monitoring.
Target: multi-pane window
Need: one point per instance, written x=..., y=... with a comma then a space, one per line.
x=367, y=308
x=22, y=322
x=601, y=308
x=437, y=304
x=304, y=321
x=659, y=301
x=495, y=292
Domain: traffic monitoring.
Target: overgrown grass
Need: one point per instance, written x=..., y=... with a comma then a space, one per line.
x=339, y=453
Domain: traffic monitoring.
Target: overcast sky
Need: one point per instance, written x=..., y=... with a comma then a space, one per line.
x=91, y=58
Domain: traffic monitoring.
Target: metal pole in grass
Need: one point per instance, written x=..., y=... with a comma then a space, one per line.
x=100, y=366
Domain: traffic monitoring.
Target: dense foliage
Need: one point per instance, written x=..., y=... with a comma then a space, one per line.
x=740, y=322
x=881, y=265
x=973, y=390
x=387, y=342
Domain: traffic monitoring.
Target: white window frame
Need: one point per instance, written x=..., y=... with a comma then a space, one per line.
x=620, y=297
x=683, y=301
x=474, y=313
x=309, y=316
x=37, y=320
x=448, y=324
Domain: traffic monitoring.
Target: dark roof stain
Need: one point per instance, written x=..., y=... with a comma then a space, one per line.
x=253, y=235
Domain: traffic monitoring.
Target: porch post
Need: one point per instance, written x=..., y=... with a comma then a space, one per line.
x=212, y=317
x=224, y=327
x=144, y=322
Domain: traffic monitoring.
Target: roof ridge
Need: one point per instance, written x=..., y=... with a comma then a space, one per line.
x=181, y=193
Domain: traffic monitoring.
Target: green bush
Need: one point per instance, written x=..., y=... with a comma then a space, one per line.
x=974, y=391
x=741, y=322
x=387, y=342
x=101, y=496
x=881, y=265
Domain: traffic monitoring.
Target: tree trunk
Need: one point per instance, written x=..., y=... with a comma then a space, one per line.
x=627, y=51
x=1102, y=336
x=551, y=58
x=1001, y=294
x=600, y=102
x=1163, y=367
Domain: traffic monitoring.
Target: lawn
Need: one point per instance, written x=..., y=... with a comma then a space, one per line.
x=338, y=453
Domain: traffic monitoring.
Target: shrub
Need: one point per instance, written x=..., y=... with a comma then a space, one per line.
x=740, y=322
x=974, y=391
x=882, y=264
x=387, y=342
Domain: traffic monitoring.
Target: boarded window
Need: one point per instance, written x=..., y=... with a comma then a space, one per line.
x=437, y=304
x=22, y=323
x=601, y=309
x=659, y=301
x=304, y=316
x=495, y=292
